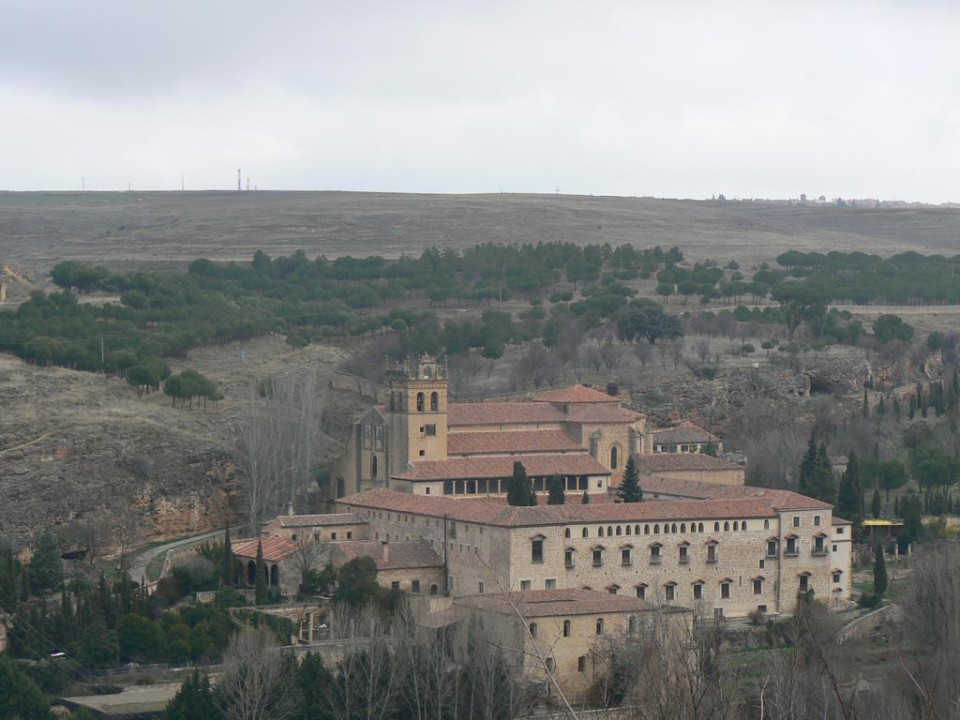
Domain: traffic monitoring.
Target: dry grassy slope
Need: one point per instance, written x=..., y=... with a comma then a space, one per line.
x=148, y=229
x=71, y=442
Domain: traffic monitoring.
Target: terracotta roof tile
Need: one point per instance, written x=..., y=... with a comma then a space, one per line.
x=576, y=394
x=666, y=462
x=519, y=441
x=685, y=432
x=502, y=466
x=400, y=554
x=275, y=549
x=602, y=413
x=694, y=489
x=500, y=413
x=288, y=521
x=496, y=513
x=560, y=602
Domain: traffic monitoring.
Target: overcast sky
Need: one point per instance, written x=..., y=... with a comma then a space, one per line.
x=671, y=99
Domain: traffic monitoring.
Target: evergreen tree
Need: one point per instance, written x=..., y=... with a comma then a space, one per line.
x=881, y=407
x=9, y=571
x=879, y=571
x=848, y=496
x=866, y=404
x=19, y=695
x=630, y=490
x=897, y=410
x=711, y=450
x=519, y=492
x=226, y=569
x=558, y=495
x=46, y=567
x=821, y=483
x=913, y=408
x=586, y=498
x=807, y=481
x=317, y=686
x=875, y=504
x=195, y=699
x=260, y=585
x=896, y=506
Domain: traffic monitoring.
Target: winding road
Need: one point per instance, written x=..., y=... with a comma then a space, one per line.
x=138, y=567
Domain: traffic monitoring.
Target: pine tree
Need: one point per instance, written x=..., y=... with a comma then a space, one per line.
x=879, y=571
x=808, y=469
x=875, y=504
x=558, y=494
x=226, y=569
x=848, y=496
x=826, y=487
x=519, y=492
x=195, y=699
x=630, y=490
x=260, y=585
x=46, y=567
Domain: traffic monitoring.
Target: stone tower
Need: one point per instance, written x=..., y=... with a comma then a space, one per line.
x=416, y=413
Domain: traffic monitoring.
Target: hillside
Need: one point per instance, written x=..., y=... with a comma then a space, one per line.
x=163, y=229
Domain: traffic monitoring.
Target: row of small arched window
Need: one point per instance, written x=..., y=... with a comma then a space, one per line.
x=667, y=528
x=396, y=401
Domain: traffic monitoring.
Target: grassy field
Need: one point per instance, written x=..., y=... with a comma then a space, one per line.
x=170, y=229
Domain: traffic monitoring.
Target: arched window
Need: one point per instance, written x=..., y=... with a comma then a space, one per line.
x=585, y=533
x=673, y=528
x=566, y=628
x=251, y=573
x=275, y=575
x=636, y=529
x=716, y=527
x=419, y=402
x=373, y=466
x=533, y=629
x=566, y=533
x=726, y=526
x=736, y=526
x=619, y=530
x=656, y=529
x=743, y=526
x=600, y=531
x=646, y=529
x=614, y=457
x=433, y=589
x=599, y=626
x=550, y=665
x=700, y=527
x=609, y=530
x=766, y=524
x=434, y=401
x=683, y=527
x=629, y=529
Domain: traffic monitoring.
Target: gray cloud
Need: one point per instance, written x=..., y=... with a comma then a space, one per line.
x=684, y=99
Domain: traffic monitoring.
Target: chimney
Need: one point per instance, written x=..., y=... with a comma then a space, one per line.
x=290, y=508
x=385, y=551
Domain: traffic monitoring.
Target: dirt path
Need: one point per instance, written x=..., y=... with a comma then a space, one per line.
x=138, y=568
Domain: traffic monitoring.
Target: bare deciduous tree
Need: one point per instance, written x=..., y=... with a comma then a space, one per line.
x=258, y=683
x=280, y=443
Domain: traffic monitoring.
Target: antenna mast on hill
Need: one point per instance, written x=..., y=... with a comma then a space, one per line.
x=238, y=180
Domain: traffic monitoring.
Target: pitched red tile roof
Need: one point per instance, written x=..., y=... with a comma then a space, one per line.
x=695, y=489
x=551, y=603
x=666, y=462
x=275, y=549
x=518, y=441
x=501, y=466
x=329, y=519
x=496, y=513
x=400, y=554
x=576, y=394
x=685, y=432
x=502, y=413
x=604, y=413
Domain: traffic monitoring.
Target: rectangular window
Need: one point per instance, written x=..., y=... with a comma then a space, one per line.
x=839, y=531
x=415, y=586
x=430, y=430
x=568, y=558
x=655, y=556
x=796, y=521
x=834, y=548
x=758, y=587
x=395, y=585
x=524, y=585
x=582, y=663
x=597, y=557
x=536, y=550
x=349, y=535
x=804, y=583
x=725, y=590
x=836, y=577
x=626, y=558
x=550, y=584
x=333, y=536
x=698, y=592
x=711, y=553
x=771, y=548
x=816, y=520
x=670, y=592
x=684, y=555
x=641, y=592
x=791, y=547
x=480, y=587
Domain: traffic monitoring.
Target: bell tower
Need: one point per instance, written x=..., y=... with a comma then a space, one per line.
x=416, y=412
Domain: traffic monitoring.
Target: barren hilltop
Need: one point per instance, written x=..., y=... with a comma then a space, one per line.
x=156, y=229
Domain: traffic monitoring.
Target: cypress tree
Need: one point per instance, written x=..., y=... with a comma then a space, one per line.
x=823, y=485
x=558, y=494
x=519, y=492
x=586, y=498
x=848, y=497
x=195, y=699
x=630, y=490
x=866, y=404
x=879, y=571
x=897, y=410
x=46, y=567
x=896, y=506
x=881, y=407
x=226, y=569
x=808, y=469
x=875, y=504
x=260, y=585
x=913, y=408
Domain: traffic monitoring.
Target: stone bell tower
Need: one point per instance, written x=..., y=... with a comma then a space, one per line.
x=416, y=412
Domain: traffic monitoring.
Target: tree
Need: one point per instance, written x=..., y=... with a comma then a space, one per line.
x=46, y=567
x=799, y=303
x=879, y=570
x=259, y=682
x=19, y=695
x=280, y=443
x=194, y=699
x=630, y=490
x=875, y=504
x=226, y=567
x=889, y=328
x=848, y=496
x=357, y=582
x=558, y=495
x=893, y=476
x=260, y=583
x=585, y=500
x=519, y=491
